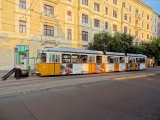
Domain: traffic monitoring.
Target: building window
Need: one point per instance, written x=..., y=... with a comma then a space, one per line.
x=96, y=7
x=147, y=36
x=136, y=11
x=155, y=29
x=115, y=2
x=142, y=14
x=125, y=29
x=123, y=4
x=115, y=28
x=69, y=34
x=125, y=16
x=84, y=36
x=130, y=8
x=22, y=4
x=147, y=17
x=147, y=26
x=22, y=27
x=85, y=2
x=142, y=24
x=136, y=33
x=48, y=9
x=48, y=30
x=129, y=31
x=69, y=16
x=106, y=25
x=84, y=18
x=136, y=22
x=130, y=20
x=106, y=11
x=96, y=23
x=142, y=35
x=115, y=14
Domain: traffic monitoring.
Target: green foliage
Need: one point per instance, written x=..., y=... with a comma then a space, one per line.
x=122, y=42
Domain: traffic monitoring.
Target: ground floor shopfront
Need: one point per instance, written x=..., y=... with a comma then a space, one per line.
x=24, y=48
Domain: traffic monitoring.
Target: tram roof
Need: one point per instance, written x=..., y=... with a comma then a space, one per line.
x=74, y=50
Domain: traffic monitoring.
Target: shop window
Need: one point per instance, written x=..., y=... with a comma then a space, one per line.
x=23, y=51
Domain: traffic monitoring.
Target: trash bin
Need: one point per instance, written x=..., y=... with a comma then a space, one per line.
x=25, y=73
x=29, y=68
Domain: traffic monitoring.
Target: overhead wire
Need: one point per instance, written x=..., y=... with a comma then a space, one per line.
x=28, y=8
x=62, y=21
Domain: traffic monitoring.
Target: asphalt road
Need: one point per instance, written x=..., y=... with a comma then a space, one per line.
x=131, y=99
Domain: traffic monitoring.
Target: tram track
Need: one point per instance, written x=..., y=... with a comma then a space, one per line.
x=36, y=80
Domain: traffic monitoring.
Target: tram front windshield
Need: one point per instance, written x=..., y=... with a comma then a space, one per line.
x=43, y=57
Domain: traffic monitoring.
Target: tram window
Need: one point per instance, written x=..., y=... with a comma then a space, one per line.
x=91, y=59
x=110, y=59
x=57, y=60
x=75, y=59
x=143, y=61
x=66, y=58
x=133, y=60
x=122, y=59
x=43, y=57
x=84, y=58
x=137, y=60
x=51, y=58
x=129, y=60
x=99, y=59
x=115, y=60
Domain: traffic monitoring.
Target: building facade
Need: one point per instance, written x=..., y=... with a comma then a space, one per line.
x=155, y=24
x=159, y=26
x=31, y=25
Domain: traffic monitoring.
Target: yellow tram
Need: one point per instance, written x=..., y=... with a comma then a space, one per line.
x=63, y=61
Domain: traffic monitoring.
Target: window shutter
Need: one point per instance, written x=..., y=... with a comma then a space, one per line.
x=52, y=10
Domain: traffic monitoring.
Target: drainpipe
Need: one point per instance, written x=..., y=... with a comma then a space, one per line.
x=78, y=23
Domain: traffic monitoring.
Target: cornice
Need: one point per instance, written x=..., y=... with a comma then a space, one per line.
x=69, y=4
x=22, y=13
x=53, y=1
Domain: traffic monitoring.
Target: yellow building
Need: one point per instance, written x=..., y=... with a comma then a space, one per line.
x=32, y=25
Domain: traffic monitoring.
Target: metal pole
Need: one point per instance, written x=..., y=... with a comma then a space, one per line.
x=14, y=59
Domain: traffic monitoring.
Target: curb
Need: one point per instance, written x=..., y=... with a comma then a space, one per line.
x=72, y=85
x=48, y=88
x=131, y=77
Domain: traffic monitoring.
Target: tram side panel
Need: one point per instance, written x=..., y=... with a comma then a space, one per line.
x=109, y=67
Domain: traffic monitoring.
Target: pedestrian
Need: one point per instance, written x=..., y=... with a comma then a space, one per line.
x=153, y=64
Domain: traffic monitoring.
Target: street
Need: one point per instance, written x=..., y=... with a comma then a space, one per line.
x=128, y=99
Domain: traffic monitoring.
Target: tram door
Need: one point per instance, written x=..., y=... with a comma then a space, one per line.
x=116, y=63
x=91, y=64
x=133, y=63
x=54, y=64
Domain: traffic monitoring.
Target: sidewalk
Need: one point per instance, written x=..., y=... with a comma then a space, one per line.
x=35, y=83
